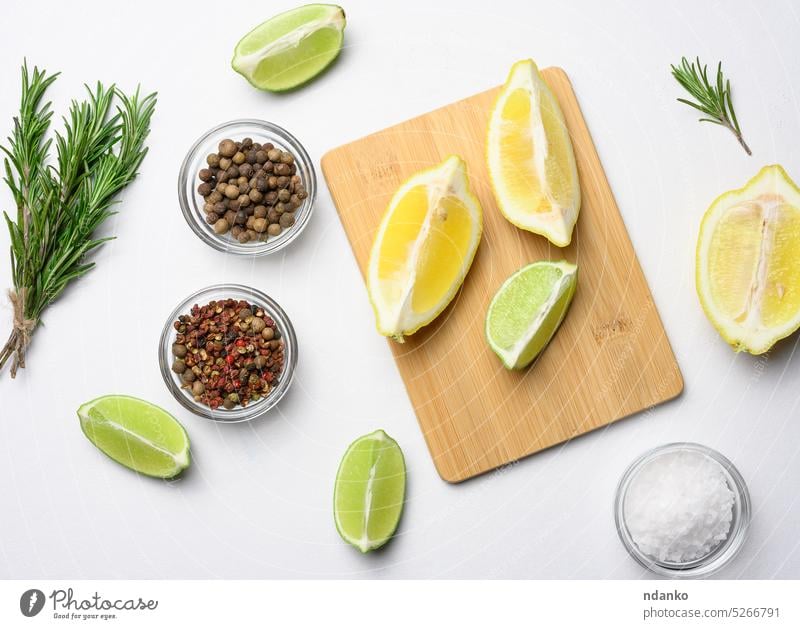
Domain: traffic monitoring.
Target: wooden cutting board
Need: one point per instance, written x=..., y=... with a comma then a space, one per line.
x=611, y=357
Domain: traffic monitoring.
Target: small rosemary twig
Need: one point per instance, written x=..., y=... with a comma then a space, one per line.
x=712, y=99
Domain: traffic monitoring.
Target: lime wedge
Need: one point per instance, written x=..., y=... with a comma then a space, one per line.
x=290, y=48
x=137, y=434
x=369, y=492
x=527, y=310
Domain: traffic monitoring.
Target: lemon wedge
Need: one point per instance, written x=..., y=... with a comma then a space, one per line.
x=423, y=249
x=529, y=154
x=748, y=262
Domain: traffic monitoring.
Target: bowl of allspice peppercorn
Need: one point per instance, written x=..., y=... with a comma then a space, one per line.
x=228, y=353
x=247, y=187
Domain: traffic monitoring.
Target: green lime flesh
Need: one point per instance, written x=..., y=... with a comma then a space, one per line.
x=370, y=490
x=528, y=309
x=291, y=48
x=137, y=434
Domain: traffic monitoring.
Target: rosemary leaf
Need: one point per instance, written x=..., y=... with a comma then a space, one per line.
x=713, y=100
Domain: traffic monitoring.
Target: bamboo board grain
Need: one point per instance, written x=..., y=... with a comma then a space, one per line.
x=611, y=357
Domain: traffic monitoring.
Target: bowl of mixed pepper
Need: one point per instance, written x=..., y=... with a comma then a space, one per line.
x=228, y=353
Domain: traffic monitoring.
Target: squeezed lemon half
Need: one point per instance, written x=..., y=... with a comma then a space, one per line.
x=748, y=262
x=423, y=249
x=530, y=158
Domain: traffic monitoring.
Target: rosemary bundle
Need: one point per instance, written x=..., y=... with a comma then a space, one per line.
x=60, y=205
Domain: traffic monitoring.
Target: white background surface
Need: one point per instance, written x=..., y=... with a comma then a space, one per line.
x=257, y=501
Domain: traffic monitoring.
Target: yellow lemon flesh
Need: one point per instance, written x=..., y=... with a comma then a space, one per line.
x=423, y=249
x=748, y=262
x=530, y=158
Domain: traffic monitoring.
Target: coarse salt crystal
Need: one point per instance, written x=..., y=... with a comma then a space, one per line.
x=679, y=507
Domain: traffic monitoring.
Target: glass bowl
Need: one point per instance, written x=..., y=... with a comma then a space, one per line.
x=719, y=556
x=257, y=298
x=192, y=203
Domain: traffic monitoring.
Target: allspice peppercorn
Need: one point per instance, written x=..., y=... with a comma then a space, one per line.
x=248, y=188
x=227, y=148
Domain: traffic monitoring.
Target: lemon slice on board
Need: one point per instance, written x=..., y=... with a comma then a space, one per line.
x=748, y=262
x=528, y=309
x=530, y=158
x=423, y=249
x=291, y=48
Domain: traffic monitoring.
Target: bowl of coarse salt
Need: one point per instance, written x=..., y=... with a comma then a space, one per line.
x=682, y=510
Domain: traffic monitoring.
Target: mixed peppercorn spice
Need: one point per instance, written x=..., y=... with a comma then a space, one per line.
x=227, y=353
x=251, y=190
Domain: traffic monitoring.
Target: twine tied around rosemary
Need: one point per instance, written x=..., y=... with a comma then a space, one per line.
x=20, y=334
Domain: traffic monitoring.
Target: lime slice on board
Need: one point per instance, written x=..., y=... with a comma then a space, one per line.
x=527, y=310
x=137, y=434
x=290, y=48
x=369, y=492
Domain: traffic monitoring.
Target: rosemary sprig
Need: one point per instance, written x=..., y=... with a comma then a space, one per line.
x=60, y=206
x=712, y=99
